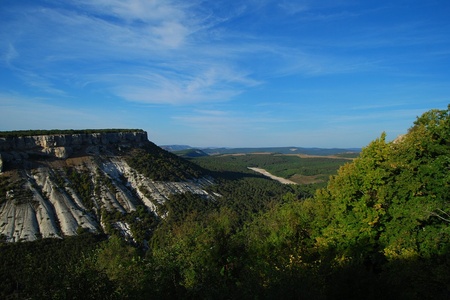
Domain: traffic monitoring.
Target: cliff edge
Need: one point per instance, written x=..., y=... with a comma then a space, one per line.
x=63, y=145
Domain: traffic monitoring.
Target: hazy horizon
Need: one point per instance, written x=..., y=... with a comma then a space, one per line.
x=261, y=147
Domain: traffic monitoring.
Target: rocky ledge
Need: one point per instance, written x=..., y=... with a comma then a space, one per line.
x=63, y=145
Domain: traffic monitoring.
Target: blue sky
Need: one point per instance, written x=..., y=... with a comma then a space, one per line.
x=225, y=73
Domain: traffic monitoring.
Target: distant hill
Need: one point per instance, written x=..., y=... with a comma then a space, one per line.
x=283, y=150
x=347, y=152
x=190, y=153
x=173, y=148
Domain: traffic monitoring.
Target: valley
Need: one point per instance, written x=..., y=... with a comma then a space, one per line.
x=311, y=170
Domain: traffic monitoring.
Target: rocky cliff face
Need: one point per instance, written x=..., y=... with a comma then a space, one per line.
x=63, y=145
x=60, y=185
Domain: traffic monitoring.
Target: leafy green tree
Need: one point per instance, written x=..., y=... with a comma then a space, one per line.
x=389, y=209
x=123, y=266
x=279, y=259
x=195, y=259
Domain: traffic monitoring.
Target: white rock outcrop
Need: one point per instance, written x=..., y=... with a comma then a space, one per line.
x=64, y=145
x=45, y=203
x=22, y=143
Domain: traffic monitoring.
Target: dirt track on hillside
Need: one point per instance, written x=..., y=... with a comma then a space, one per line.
x=279, y=179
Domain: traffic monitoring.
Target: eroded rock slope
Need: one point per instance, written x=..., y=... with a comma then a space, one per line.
x=64, y=185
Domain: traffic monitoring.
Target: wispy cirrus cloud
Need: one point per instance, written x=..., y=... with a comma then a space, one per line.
x=166, y=86
x=147, y=41
x=137, y=10
x=293, y=7
x=228, y=119
x=163, y=52
x=165, y=22
x=9, y=54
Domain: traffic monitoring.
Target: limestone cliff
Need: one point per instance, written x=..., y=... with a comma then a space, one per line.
x=64, y=184
x=63, y=145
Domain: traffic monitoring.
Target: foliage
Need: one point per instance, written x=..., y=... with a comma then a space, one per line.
x=122, y=265
x=251, y=195
x=190, y=153
x=81, y=182
x=278, y=258
x=179, y=206
x=12, y=187
x=51, y=269
x=194, y=261
x=390, y=209
x=158, y=164
x=142, y=224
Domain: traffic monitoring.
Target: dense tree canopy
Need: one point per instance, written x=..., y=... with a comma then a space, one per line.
x=158, y=164
x=391, y=208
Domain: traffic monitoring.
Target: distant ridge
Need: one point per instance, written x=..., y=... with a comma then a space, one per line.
x=280, y=150
x=191, y=153
x=172, y=148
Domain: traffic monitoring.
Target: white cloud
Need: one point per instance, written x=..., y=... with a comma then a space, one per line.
x=138, y=10
x=171, y=34
x=9, y=54
x=211, y=112
x=293, y=7
x=217, y=83
x=223, y=119
x=165, y=23
x=143, y=56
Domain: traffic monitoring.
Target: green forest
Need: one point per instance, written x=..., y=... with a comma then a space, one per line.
x=379, y=229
